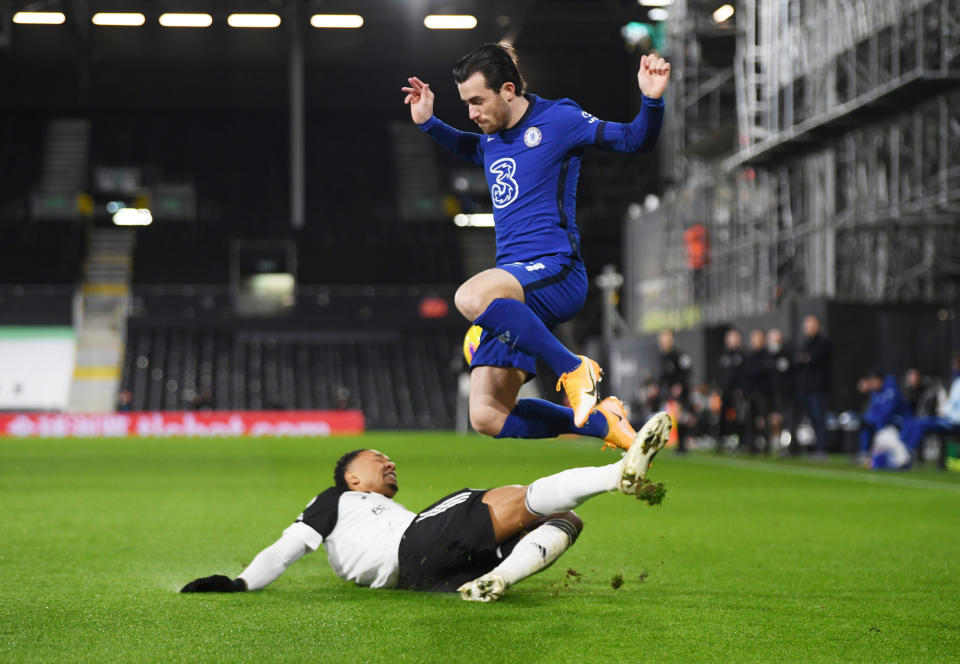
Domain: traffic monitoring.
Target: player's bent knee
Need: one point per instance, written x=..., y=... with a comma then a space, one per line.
x=574, y=520
x=487, y=421
x=469, y=302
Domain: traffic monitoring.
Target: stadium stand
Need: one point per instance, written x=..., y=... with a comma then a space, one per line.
x=397, y=380
x=43, y=252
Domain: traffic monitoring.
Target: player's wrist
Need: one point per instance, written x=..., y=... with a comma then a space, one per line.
x=429, y=122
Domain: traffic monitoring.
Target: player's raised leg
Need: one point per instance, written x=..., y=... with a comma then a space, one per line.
x=495, y=411
x=494, y=299
x=651, y=438
x=549, y=502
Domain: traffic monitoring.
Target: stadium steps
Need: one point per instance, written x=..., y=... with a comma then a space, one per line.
x=101, y=330
x=63, y=170
x=65, y=155
x=418, y=190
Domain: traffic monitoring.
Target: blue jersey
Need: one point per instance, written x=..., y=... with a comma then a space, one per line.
x=533, y=167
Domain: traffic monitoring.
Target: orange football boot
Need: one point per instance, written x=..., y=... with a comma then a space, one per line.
x=581, y=388
x=619, y=432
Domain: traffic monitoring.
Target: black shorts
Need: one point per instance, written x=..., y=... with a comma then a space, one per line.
x=449, y=543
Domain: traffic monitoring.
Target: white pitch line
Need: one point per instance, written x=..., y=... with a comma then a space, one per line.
x=824, y=473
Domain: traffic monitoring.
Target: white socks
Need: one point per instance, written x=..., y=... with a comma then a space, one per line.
x=536, y=551
x=553, y=495
x=567, y=489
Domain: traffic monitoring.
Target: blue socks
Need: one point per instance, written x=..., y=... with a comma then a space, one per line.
x=515, y=324
x=536, y=418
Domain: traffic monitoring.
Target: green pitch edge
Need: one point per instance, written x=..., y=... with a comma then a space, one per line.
x=36, y=332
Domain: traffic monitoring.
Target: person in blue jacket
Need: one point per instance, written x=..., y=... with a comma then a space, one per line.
x=887, y=406
x=530, y=149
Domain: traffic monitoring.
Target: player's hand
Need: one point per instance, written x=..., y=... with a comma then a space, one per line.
x=218, y=583
x=653, y=76
x=420, y=98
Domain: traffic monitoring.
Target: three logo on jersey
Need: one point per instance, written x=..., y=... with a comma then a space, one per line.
x=505, y=189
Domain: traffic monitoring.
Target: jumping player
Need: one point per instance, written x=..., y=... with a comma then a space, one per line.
x=530, y=149
x=476, y=542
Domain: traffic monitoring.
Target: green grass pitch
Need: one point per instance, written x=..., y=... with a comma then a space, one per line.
x=745, y=561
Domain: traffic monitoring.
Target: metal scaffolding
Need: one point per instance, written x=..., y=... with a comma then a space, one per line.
x=846, y=183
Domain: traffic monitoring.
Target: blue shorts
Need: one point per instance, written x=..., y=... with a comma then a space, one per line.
x=555, y=288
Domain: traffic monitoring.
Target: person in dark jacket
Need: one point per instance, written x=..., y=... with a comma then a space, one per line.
x=812, y=361
x=675, y=384
x=730, y=382
x=757, y=391
x=784, y=397
x=674, y=366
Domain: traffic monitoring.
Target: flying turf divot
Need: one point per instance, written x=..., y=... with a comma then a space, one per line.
x=651, y=493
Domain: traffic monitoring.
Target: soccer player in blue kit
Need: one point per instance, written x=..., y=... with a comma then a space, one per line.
x=530, y=149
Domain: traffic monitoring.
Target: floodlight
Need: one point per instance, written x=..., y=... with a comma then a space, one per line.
x=39, y=18
x=186, y=20
x=450, y=22
x=132, y=217
x=655, y=3
x=475, y=220
x=253, y=20
x=722, y=13
x=336, y=20
x=131, y=19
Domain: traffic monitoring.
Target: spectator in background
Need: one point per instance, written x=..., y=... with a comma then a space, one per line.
x=124, y=401
x=706, y=411
x=926, y=395
x=916, y=428
x=674, y=366
x=650, y=400
x=912, y=388
x=730, y=382
x=812, y=362
x=783, y=395
x=757, y=390
x=886, y=407
x=203, y=401
x=674, y=385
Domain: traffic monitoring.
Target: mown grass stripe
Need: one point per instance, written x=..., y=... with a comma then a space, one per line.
x=826, y=473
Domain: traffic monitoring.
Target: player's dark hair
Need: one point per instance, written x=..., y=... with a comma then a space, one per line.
x=498, y=63
x=338, y=471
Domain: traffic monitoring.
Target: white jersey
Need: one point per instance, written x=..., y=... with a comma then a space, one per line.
x=360, y=531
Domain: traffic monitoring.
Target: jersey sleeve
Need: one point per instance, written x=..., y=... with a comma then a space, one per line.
x=637, y=136
x=579, y=127
x=584, y=129
x=318, y=520
x=464, y=144
x=274, y=560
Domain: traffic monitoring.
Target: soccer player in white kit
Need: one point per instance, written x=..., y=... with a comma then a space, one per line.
x=477, y=542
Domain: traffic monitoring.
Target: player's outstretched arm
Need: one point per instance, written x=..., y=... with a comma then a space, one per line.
x=653, y=76
x=641, y=134
x=264, y=570
x=420, y=99
x=218, y=583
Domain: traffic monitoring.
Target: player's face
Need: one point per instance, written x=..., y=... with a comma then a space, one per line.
x=487, y=108
x=373, y=471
